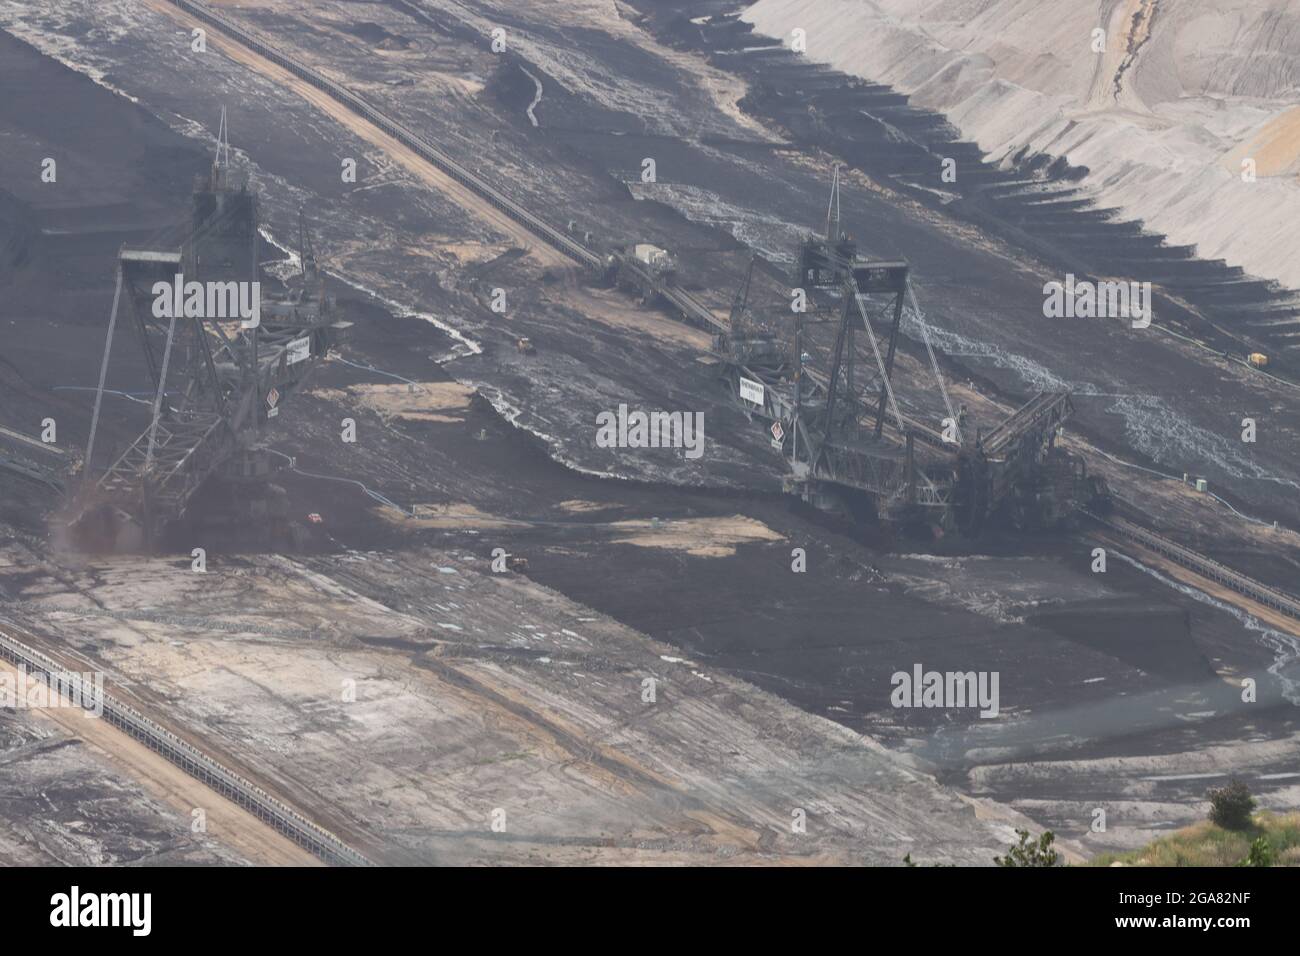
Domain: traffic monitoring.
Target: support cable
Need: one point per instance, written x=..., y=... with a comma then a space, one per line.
x=934, y=362
x=103, y=374
x=880, y=363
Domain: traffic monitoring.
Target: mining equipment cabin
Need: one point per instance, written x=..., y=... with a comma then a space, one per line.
x=842, y=431
x=215, y=383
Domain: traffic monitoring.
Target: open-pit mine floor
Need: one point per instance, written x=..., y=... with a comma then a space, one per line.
x=656, y=684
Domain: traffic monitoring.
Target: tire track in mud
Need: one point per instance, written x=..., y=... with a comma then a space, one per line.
x=617, y=765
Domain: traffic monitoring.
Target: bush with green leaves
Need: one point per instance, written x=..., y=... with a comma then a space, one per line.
x=1030, y=852
x=1231, y=806
x=1261, y=853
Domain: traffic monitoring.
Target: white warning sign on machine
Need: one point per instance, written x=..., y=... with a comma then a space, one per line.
x=778, y=434
x=299, y=350
x=751, y=391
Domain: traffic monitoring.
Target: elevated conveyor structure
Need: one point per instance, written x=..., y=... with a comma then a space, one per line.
x=217, y=376
x=830, y=403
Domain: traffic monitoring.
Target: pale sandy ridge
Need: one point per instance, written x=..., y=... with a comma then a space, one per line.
x=1163, y=116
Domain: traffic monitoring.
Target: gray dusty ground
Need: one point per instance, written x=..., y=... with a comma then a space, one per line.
x=402, y=698
x=65, y=802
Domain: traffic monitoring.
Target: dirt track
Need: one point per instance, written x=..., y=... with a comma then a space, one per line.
x=426, y=171
x=225, y=821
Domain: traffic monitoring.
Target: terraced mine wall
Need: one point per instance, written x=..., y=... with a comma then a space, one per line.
x=1034, y=201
